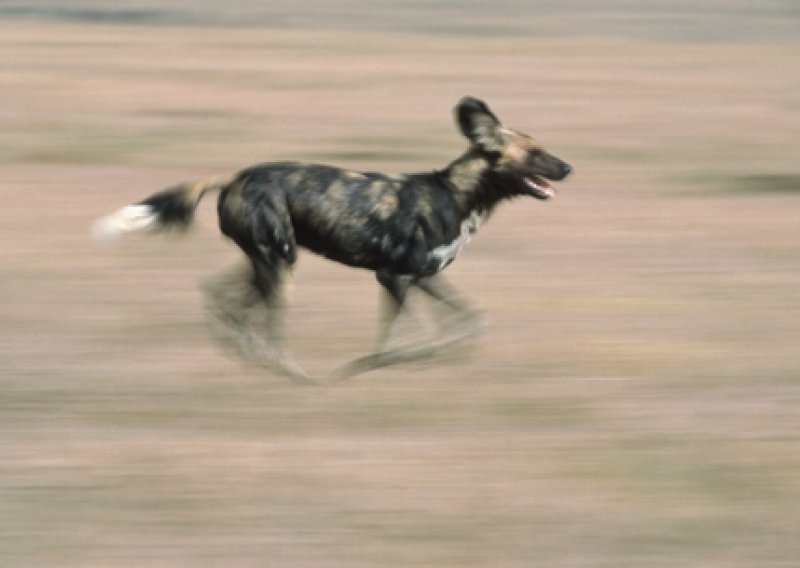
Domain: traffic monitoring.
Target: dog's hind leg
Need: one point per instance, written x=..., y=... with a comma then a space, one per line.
x=230, y=298
x=266, y=351
x=241, y=301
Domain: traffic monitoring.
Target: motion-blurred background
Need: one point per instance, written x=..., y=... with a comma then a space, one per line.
x=635, y=402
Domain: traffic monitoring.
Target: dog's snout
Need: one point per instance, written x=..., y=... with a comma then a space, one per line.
x=560, y=170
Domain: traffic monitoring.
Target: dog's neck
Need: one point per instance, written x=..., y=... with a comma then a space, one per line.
x=469, y=177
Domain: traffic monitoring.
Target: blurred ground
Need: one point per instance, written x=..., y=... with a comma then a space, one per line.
x=634, y=403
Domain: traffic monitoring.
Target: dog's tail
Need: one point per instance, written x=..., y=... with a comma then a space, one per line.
x=172, y=208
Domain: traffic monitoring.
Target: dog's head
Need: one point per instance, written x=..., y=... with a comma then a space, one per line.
x=519, y=163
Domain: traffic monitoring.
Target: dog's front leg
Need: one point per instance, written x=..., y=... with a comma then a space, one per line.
x=395, y=290
x=459, y=320
x=461, y=323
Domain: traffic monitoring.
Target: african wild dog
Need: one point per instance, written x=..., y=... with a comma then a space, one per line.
x=407, y=229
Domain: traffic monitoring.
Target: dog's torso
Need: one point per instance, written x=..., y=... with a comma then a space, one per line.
x=406, y=229
x=413, y=224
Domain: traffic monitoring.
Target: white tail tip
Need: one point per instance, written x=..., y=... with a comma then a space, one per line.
x=130, y=219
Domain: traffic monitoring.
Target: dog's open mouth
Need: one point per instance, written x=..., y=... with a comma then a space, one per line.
x=540, y=187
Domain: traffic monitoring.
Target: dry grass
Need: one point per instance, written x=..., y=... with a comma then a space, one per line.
x=633, y=404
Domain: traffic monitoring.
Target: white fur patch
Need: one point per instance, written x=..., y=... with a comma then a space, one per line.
x=130, y=219
x=445, y=254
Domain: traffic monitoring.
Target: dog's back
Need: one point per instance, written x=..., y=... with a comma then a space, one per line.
x=368, y=220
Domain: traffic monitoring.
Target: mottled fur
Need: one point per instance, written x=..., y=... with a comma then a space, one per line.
x=406, y=229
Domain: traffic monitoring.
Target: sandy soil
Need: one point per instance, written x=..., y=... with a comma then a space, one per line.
x=633, y=403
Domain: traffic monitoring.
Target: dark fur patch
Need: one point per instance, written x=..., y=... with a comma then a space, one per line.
x=171, y=207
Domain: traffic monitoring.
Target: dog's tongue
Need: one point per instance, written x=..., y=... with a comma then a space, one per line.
x=540, y=187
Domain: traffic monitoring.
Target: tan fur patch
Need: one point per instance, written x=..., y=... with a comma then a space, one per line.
x=375, y=190
x=295, y=179
x=424, y=208
x=517, y=147
x=386, y=204
x=465, y=174
x=336, y=191
x=195, y=191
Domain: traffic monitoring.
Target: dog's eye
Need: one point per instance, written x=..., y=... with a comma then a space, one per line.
x=538, y=157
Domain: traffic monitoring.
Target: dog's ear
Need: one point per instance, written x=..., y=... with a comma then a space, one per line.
x=479, y=124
